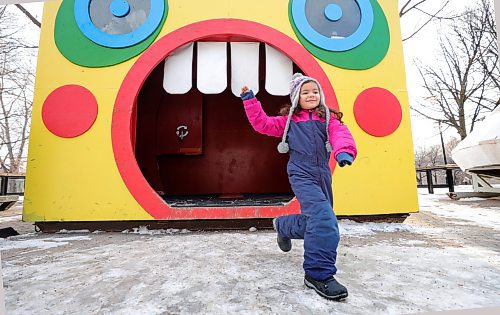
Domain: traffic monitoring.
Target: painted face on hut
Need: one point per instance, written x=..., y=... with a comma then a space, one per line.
x=137, y=113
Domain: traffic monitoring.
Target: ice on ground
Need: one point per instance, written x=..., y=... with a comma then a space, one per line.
x=64, y=231
x=38, y=243
x=352, y=228
x=11, y=218
x=144, y=230
x=440, y=204
x=431, y=262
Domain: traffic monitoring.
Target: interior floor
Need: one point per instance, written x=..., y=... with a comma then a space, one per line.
x=255, y=200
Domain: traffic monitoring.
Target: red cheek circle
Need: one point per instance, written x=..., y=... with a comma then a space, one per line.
x=377, y=112
x=69, y=111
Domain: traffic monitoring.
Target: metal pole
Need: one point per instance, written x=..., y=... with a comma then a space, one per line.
x=449, y=174
x=442, y=143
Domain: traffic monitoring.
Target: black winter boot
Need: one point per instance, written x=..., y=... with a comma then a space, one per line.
x=285, y=244
x=329, y=289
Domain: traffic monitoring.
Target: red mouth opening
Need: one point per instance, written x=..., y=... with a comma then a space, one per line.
x=130, y=124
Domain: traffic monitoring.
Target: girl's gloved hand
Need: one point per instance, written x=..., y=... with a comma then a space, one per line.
x=344, y=159
x=246, y=93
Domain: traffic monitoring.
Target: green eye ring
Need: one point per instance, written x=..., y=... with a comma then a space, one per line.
x=365, y=56
x=80, y=50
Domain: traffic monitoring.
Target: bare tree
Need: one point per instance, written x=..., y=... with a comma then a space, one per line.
x=433, y=155
x=428, y=11
x=16, y=91
x=460, y=88
x=15, y=110
x=428, y=156
x=29, y=15
x=9, y=33
x=489, y=60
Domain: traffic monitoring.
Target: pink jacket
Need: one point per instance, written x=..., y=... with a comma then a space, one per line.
x=340, y=137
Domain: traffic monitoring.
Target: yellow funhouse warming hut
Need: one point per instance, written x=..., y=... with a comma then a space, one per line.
x=137, y=115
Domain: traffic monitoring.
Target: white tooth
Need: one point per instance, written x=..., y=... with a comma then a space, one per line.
x=244, y=67
x=212, y=67
x=178, y=70
x=279, y=71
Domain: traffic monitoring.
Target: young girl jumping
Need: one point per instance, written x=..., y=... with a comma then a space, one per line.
x=309, y=134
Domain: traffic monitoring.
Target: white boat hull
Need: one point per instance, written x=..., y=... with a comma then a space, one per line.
x=479, y=152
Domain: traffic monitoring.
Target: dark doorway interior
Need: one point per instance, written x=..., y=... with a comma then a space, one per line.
x=221, y=161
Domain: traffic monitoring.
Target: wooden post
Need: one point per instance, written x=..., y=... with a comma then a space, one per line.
x=449, y=180
x=428, y=173
x=3, y=186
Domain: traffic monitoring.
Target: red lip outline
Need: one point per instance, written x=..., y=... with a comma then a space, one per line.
x=122, y=126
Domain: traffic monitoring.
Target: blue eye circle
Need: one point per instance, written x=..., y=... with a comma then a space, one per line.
x=119, y=23
x=119, y=8
x=333, y=12
x=344, y=24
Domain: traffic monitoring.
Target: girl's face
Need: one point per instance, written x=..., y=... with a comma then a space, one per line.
x=309, y=95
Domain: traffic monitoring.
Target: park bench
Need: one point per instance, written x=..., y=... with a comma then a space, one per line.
x=9, y=198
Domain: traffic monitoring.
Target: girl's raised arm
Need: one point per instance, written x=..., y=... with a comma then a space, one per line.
x=271, y=126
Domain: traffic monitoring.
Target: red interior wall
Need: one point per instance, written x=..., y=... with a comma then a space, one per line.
x=235, y=158
x=148, y=103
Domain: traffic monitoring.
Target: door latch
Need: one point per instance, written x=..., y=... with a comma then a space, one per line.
x=182, y=131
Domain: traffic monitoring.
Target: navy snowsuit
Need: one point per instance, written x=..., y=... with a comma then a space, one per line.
x=311, y=180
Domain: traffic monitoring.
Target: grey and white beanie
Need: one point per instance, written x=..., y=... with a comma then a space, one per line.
x=298, y=79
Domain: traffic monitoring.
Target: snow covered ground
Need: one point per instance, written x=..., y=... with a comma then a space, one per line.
x=446, y=257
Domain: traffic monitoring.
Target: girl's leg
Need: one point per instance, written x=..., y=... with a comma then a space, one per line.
x=291, y=226
x=321, y=236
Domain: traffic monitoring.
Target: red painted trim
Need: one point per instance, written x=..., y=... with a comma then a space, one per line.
x=121, y=126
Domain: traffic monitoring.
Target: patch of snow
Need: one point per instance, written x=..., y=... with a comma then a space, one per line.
x=64, y=231
x=439, y=204
x=42, y=243
x=23, y=236
x=352, y=228
x=11, y=218
x=143, y=230
x=413, y=242
x=418, y=279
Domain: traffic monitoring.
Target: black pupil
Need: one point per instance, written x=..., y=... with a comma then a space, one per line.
x=104, y=20
x=346, y=26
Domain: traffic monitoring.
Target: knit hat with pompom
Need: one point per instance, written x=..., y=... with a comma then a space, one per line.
x=298, y=79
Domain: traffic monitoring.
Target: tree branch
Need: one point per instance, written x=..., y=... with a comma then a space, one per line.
x=29, y=15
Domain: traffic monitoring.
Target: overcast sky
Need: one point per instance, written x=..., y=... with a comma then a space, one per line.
x=424, y=131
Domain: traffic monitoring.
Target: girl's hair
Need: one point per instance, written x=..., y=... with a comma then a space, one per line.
x=320, y=111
